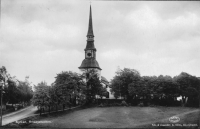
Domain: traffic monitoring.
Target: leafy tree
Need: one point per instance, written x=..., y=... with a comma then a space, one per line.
x=170, y=89
x=13, y=93
x=94, y=88
x=10, y=91
x=3, y=74
x=68, y=87
x=41, y=95
x=25, y=91
x=188, y=87
x=53, y=97
x=116, y=86
x=124, y=83
x=102, y=92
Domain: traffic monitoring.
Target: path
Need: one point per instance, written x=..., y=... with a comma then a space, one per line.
x=26, y=112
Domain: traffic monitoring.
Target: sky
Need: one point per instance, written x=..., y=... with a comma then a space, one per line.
x=41, y=38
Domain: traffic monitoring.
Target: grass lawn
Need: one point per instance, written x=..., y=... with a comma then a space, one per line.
x=118, y=117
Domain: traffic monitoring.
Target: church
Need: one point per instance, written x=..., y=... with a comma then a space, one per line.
x=90, y=61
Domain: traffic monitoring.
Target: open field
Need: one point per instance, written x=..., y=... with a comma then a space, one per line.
x=118, y=117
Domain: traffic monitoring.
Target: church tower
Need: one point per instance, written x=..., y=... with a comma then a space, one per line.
x=90, y=61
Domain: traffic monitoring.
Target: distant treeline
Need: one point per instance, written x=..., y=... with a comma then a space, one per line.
x=153, y=90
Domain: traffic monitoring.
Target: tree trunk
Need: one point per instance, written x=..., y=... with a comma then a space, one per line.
x=49, y=109
x=63, y=107
x=75, y=100
x=56, y=107
x=70, y=99
x=199, y=103
x=40, y=111
x=183, y=101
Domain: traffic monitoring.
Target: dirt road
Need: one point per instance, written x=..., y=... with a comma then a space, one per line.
x=29, y=111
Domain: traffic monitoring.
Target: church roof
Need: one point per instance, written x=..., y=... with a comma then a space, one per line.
x=89, y=63
x=104, y=80
x=90, y=28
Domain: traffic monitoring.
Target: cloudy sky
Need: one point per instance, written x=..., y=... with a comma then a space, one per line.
x=40, y=38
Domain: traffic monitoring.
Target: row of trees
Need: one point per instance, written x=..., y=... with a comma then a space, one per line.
x=14, y=91
x=68, y=89
x=161, y=90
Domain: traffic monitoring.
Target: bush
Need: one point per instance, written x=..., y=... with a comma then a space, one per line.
x=19, y=106
x=124, y=103
x=101, y=105
x=129, y=104
x=151, y=105
x=141, y=104
x=9, y=107
x=117, y=104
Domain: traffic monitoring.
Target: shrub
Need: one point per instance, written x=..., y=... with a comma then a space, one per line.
x=117, y=104
x=129, y=104
x=124, y=103
x=101, y=105
x=141, y=104
x=151, y=105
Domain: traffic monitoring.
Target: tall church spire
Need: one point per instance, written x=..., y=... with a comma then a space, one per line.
x=90, y=61
x=90, y=28
x=90, y=35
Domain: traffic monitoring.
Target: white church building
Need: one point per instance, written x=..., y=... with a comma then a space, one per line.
x=90, y=61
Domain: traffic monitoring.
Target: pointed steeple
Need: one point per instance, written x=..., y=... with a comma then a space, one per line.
x=90, y=28
x=90, y=61
x=90, y=35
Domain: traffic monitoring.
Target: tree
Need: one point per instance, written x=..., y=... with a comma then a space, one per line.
x=41, y=96
x=3, y=74
x=3, y=80
x=94, y=88
x=170, y=89
x=68, y=87
x=26, y=92
x=10, y=90
x=116, y=86
x=188, y=87
x=123, y=81
x=102, y=92
x=13, y=93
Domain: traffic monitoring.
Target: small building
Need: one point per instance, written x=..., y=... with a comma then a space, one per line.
x=106, y=84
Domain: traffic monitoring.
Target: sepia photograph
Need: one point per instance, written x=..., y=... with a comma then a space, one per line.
x=99, y=64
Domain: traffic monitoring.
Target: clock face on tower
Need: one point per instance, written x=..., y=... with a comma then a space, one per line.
x=88, y=53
